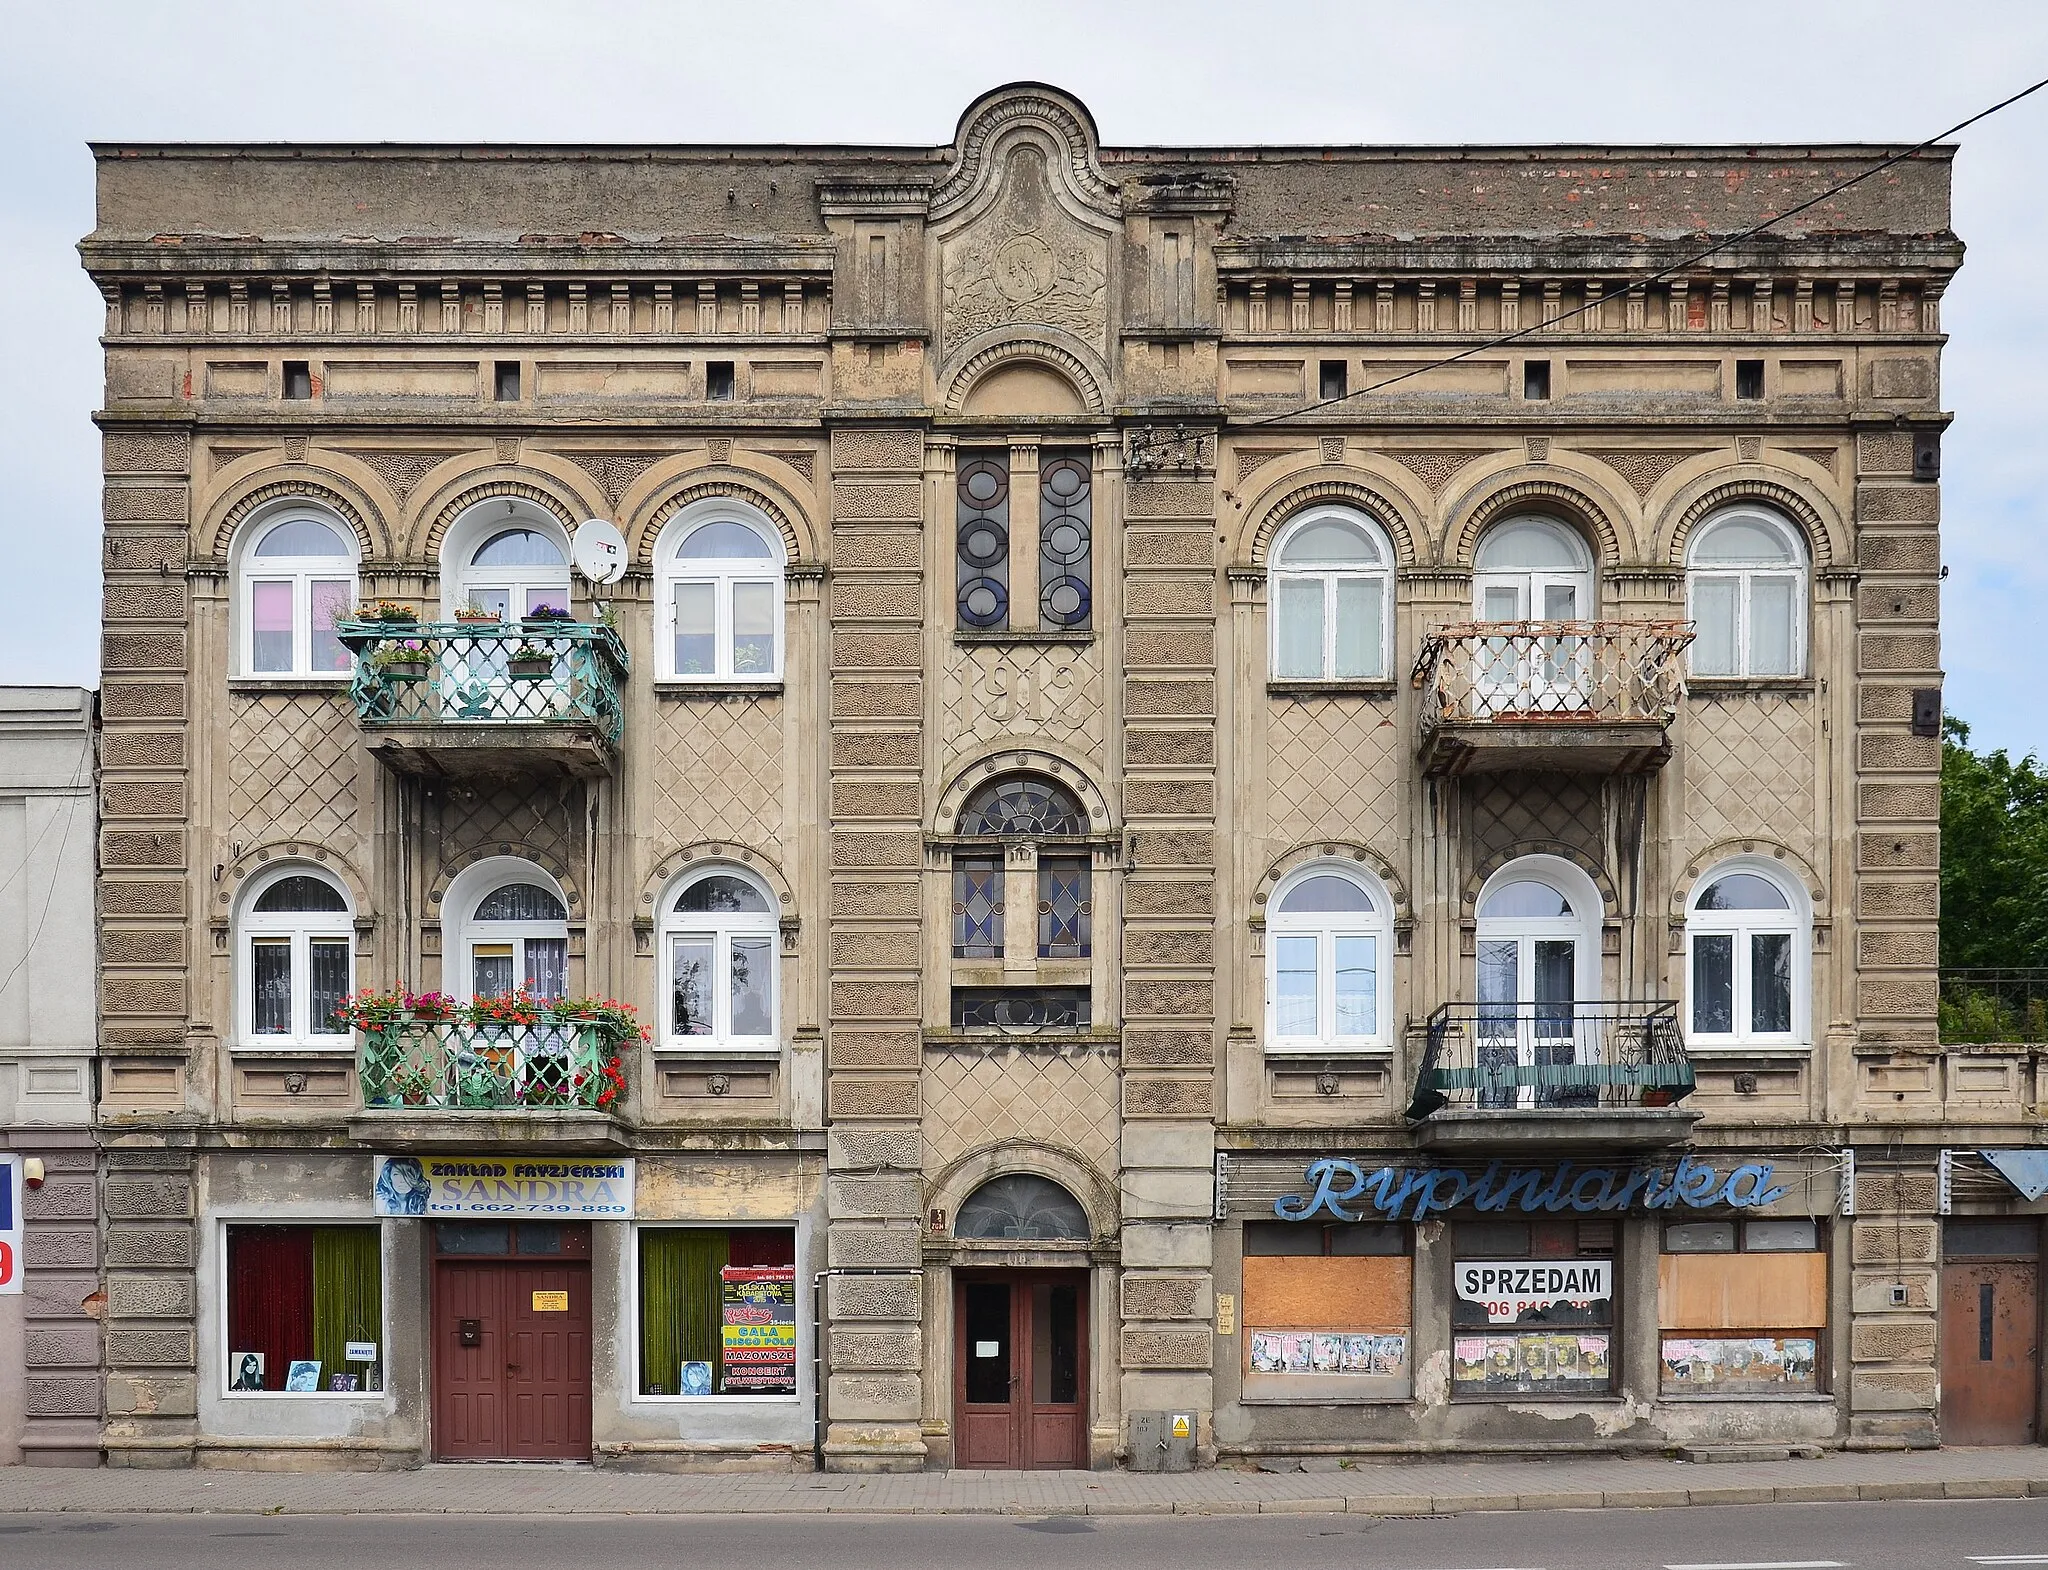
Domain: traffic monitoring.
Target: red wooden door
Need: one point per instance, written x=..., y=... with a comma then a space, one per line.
x=1021, y=1370
x=1990, y=1365
x=511, y=1379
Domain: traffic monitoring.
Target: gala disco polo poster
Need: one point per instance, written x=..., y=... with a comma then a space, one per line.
x=759, y=1338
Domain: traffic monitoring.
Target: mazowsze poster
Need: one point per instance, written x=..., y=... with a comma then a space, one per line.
x=759, y=1334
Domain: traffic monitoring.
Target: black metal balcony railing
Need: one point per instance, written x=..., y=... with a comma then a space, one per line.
x=1989, y=1006
x=1510, y=1056
x=535, y=673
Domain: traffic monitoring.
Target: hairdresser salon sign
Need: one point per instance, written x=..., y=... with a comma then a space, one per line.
x=568, y=1189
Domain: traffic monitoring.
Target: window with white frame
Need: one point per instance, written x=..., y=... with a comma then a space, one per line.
x=1328, y=937
x=513, y=565
x=1747, y=955
x=720, y=568
x=295, y=943
x=1532, y=569
x=297, y=574
x=1746, y=592
x=718, y=940
x=517, y=937
x=1331, y=597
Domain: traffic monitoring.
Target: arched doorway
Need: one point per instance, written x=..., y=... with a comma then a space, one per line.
x=1020, y=1387
x=1537, y=957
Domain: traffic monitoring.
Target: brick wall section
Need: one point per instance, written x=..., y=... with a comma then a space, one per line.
x=150, y=1239
x=144, y=706
x=874, y=1349
x=61, y=1308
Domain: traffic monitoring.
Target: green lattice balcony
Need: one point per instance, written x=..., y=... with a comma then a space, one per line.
x=477, y=697
x=456, y=1066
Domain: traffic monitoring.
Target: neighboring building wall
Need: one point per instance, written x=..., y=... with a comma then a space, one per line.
x=49, y=1336
x=885, y=316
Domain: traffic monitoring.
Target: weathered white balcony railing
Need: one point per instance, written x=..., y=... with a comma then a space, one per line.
x=1591, y=696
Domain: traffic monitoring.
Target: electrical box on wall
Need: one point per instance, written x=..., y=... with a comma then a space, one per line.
x=1163, y=1441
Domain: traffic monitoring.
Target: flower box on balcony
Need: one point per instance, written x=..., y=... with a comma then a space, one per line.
x=527, y=663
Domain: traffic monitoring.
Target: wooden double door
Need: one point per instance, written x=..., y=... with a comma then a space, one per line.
x=511, y=1354
x=1020, y=1360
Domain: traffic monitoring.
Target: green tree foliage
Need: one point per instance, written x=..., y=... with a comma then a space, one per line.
x=1994, y=855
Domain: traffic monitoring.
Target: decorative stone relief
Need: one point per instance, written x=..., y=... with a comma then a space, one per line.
x=402, y=471
x=1435, y=469
x=1025, y=262
x=991, y=694
x=1643, y=467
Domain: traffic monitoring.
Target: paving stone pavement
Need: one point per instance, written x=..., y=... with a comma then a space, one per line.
x=1393, y=1487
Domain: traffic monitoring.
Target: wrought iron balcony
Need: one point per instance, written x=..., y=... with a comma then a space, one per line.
x=1983, y=1007
x=1580, y=696
x=1513, y=1073
x=482, y=697
x=454, y=1066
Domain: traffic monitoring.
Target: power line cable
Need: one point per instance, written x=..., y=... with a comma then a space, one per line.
x=1649, y=278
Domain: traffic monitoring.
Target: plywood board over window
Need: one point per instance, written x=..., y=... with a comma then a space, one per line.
x=1305, y=1292
x=1742, y=1291
x=1319, y=1328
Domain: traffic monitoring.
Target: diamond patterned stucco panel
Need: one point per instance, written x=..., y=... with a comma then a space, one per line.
x=292, y=770
x=720, y=773
x=974, y=1099
x=1328, y=772
x=1749, y=771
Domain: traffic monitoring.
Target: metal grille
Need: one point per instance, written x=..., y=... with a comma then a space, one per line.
x=1063, y=907
x=1065, y=541
x=1982, y=1005
x=1551, y=670
x=488, y=673
x=977, y=907
x=1020, y=1010
x=982, y=540
x=1552, y=1055
x=490, y=1068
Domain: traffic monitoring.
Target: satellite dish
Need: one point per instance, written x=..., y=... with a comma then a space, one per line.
x=599, y=550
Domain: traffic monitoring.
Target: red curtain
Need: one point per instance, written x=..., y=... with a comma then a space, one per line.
x=757, y=1246
x=270, y=1298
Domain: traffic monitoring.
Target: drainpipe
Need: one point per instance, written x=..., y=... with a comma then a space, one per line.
x=818, y=1347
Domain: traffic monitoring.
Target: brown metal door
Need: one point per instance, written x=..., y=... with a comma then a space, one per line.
x=1021, y=1370
x=511, y=1380
x=1989, y=1352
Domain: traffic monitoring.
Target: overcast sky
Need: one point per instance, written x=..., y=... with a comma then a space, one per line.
x=1188, y=71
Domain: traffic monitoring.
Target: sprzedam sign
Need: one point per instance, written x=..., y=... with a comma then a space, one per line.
x=1510, y=1289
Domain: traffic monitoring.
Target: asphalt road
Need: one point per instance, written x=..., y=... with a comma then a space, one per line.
x=1904, y=1536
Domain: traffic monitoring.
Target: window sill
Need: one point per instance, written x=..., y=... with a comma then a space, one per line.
x=982, y=1040
x=335, y=686
x=343, y=1049
x=1753, y=1049
x=1319, y=1052
x=1374, y=688
x=1003, y=638
x=669, y=1052
x=718, y=689
x=1730, y=686
x=1801, y=1398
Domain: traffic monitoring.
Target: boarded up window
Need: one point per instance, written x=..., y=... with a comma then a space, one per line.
x=1319, y=1326
x=1741, y=1323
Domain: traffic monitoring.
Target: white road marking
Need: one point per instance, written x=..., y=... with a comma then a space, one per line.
x=1769, y=1564
x=2009, y=1559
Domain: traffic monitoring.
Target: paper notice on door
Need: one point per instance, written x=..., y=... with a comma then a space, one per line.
x=551, y=1302
x=988, y=1349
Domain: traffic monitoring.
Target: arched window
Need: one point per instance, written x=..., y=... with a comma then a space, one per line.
x=517, y=935
x=295, y=960
x=1022, y=807
x=1328, y=935
x=1747, y=952
x=298, y=577
x=1536, y=957
x=720, y=566
x=718, y=935
x=1021, y=1206
x=1331, y=597
x=1746, y=589
x=508, y=558
x=1532, y=569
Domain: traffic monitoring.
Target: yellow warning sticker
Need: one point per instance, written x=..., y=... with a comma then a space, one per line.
x=551, y=1302
x=1180, y=1425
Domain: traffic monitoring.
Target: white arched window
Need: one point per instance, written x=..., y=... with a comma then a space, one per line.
x=718, y=939
x=508, y=558
x=1747, y=952
x=1331, y=597
x=1328, y=937
x=297, y=571
x=1536, y=958
x=515, y=933
x=1532, y=569
x=1746, y=591
x=720, y=569
x=294, y=959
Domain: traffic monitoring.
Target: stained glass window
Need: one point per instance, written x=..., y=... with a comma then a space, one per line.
x=1065, y=541
x=1021, y=1205
x=1063, y=907
x=982, y=540
x=1023, y=806
x=977, y=907
x=1021, y=1010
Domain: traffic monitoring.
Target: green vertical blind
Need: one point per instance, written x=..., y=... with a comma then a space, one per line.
x=348, y=1300
x=681, y=1309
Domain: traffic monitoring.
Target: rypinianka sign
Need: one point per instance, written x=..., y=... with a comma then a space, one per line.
x=1333, y=1184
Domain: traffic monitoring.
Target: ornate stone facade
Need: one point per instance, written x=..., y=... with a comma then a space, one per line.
x=1230, y=342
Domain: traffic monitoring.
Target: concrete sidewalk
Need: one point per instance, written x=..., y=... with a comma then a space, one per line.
x=1388, y=1488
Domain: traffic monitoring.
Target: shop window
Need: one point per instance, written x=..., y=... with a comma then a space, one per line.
x=305, y=1310
x=1742, y=1307
x=1532, y=1310
x=718, y=1311
x=1328, y=1310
